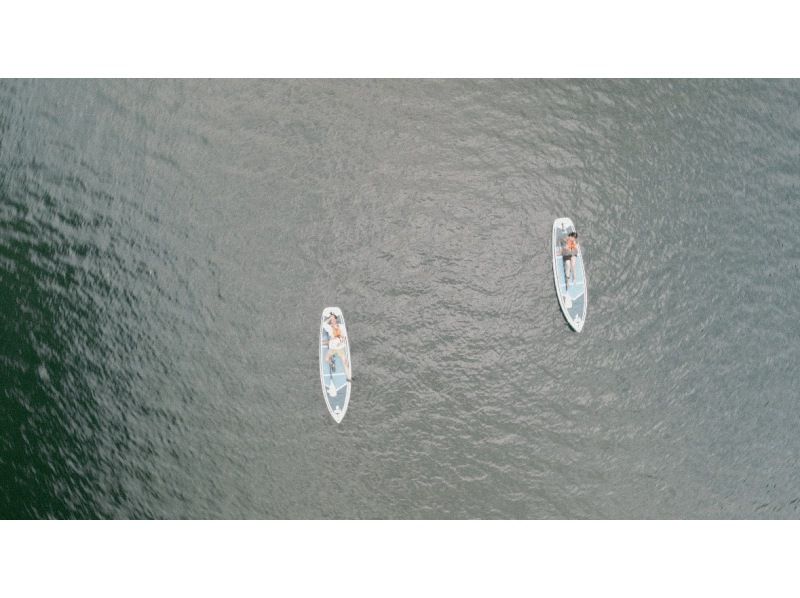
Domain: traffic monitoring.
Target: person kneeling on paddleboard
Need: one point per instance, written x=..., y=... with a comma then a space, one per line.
x=336, y=344
x=569, y=252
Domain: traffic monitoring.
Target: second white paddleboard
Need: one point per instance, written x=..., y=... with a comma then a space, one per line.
x=573, y=294
x=334, y=362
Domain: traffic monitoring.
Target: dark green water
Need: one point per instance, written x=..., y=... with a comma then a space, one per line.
x=166, y=248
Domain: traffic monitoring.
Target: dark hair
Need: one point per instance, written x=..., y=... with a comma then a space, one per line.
x=573, y=234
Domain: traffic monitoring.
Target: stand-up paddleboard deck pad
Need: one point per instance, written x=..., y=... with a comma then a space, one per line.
x=573, y=299
x=335, y=387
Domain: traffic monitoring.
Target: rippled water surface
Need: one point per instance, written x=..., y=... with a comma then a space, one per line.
x=166, y=248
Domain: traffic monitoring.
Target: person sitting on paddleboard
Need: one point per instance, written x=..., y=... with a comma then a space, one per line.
x=569, y=251
x=336, y=343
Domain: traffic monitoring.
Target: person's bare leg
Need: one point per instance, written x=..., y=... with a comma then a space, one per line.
x=567, y=268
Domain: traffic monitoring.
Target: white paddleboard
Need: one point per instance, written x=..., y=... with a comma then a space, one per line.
x=573, y=297
x=333, y=376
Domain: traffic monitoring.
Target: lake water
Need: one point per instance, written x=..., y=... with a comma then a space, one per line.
x=166, y=249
